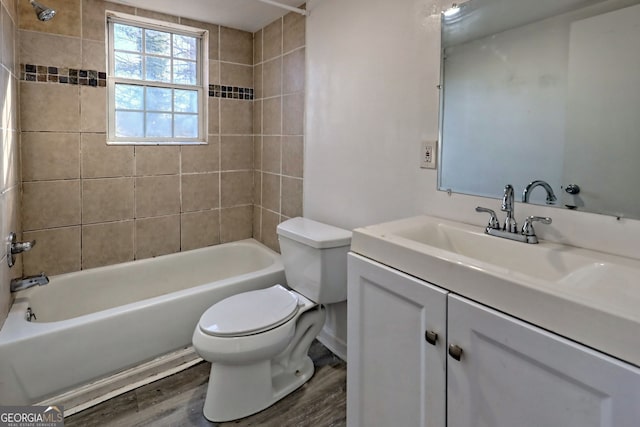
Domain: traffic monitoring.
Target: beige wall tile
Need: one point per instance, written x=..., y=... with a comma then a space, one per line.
x=50, y=49
x=272, y=78
x=293, y=114
x=152, y=14
x=236, y=75
x=47, y=204
x=200, y=191
x=11, y=221
x=157, y=195
x=100, y=160
x=93, y=17
x=293, y=71
x=6, y=299
x=107, y=244
x=236, y=46
x=157, y=160
x=213, y=115
x=291, y=197
x=272, y=40
x=213, y=34
x=257, y=46
x=49, y=155
x=66, y=22
x=236, y=223
x=293, y=156
x=202, y=158
x=257, y=81
x=257, y=187
x=8, y=37
x=199, y=229
x=11, y=154
x=257, y=222
x=48, y=107
x=270, y=221
x=272, y=116
x=235, y=117
x=214, y=72
x=236, y=152
x=93, y=55
x=271, y=191
x=271, y=157
x=257, y=152
x=157, y=236
x=107, y=199
x=57, y=251
x=293, y=31
x=257, y=117
x=236, y=188
x=93, y=109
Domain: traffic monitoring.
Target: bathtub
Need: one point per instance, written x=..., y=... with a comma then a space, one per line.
x=94, y=323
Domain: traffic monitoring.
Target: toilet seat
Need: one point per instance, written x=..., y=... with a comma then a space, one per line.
x=250, y=313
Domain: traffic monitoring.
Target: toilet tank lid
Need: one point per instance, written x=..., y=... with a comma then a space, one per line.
x=313, y=233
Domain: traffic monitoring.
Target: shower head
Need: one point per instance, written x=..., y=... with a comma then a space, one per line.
x=43, y=12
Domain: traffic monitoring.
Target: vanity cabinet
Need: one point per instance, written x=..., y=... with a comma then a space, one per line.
x=395, y=377
x=509, y=373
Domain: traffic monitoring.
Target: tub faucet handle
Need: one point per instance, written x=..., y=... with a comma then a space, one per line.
x=14, y=247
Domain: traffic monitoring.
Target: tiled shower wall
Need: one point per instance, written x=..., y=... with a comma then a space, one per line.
x=278, y=123
x=9, y=134
x=88, y=204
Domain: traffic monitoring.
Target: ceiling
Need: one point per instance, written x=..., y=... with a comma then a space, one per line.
x=248, y=15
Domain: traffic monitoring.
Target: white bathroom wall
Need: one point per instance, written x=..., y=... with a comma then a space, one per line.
x=372, y=71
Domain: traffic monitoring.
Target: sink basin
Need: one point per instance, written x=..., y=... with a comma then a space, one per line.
x=585, y=295
x=469, y=244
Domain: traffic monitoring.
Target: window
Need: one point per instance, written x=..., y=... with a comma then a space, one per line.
x=157, y=82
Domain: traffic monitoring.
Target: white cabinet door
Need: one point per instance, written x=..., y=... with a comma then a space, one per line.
x=512, y=374
x=395, y=377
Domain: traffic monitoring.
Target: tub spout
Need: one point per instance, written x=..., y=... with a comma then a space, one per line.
x=29, y=281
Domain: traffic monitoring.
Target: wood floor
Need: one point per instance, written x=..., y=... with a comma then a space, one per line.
x=177, y=401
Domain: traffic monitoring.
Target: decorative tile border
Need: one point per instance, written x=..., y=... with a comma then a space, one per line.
x=72, y=76
x=233, y=92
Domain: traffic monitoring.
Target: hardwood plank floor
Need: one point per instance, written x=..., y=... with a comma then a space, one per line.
x=177, y=401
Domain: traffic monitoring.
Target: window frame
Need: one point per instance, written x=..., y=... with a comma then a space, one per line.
x=202, y=79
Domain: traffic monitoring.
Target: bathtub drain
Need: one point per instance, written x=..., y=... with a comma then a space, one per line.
x=30, y=315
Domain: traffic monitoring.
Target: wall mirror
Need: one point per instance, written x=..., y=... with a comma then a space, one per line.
x=543, y=90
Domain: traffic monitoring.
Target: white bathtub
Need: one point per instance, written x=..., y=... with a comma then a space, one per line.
x=94, y=323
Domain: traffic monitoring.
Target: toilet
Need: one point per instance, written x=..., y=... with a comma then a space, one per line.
x=257, y=341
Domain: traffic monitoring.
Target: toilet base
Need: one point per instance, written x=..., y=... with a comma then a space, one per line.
x=239, y=391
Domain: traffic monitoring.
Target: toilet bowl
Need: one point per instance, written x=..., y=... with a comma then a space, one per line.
x=258, y=341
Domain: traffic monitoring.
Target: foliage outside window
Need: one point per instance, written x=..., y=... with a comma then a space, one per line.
x=157, y=81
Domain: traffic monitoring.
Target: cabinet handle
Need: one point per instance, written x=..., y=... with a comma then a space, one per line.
x=455, y=352
x=431, y=337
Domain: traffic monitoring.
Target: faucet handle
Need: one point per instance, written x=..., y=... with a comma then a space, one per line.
x=493, y=221
x=527, y=228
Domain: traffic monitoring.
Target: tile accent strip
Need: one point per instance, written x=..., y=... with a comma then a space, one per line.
x=72, y=76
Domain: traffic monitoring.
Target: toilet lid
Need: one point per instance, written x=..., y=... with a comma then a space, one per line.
x=250, y=312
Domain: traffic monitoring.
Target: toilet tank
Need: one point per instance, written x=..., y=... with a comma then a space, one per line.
x=315, y=259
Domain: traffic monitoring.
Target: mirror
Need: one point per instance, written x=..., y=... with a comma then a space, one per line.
x=543, y=90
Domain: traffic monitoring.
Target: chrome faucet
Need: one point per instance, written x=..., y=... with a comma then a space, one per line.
x=510, y=228
x=551, y=197
x=510, y=224
x=14, y=247
x=29, y=281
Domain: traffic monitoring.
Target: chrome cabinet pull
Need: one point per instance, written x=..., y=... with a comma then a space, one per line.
x=431, y=337
x=455, y=352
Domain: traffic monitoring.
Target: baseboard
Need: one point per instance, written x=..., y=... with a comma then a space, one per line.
x=333, y=343
x=104, y=389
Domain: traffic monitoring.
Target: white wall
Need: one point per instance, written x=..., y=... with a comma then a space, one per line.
x=372, y=71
